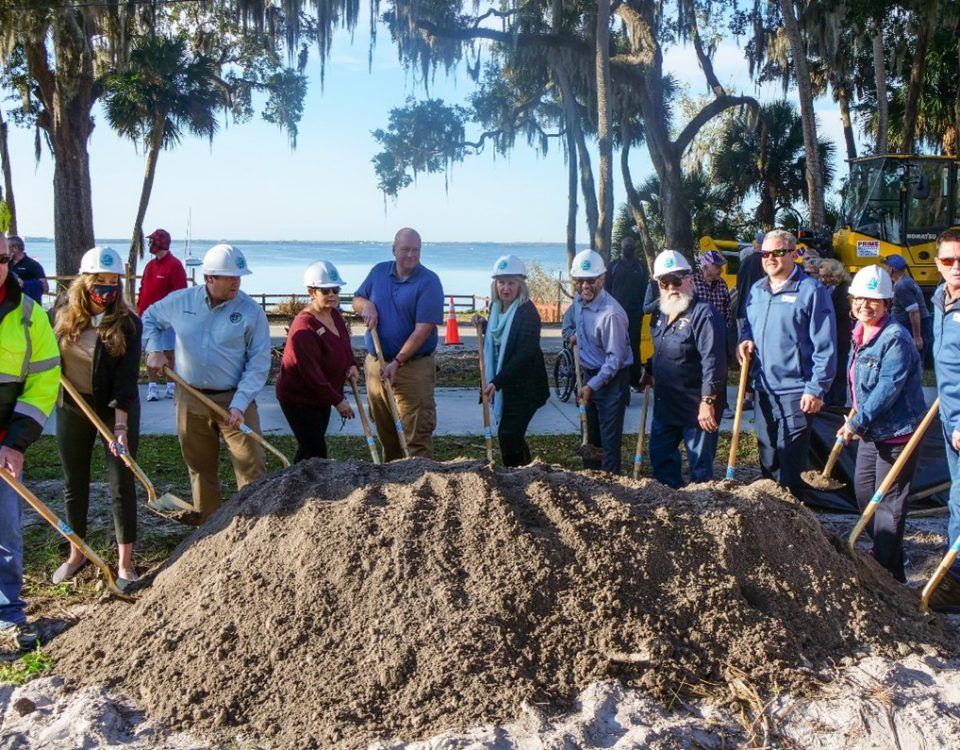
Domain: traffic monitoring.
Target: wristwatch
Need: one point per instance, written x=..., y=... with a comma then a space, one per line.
x=709, y=400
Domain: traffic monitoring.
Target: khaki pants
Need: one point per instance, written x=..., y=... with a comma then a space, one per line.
x=413, y=387
x=200, y=432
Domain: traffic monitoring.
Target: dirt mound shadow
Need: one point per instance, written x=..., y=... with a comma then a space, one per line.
x=337, y=602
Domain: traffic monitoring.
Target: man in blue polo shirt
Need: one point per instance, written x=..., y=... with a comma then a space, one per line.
x=403, y=300
x=791, y=332
x=689, y=368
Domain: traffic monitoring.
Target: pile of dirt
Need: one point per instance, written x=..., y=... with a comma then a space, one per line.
x=338, y=602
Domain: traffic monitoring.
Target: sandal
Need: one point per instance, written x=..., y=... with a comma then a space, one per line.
x=67, y=570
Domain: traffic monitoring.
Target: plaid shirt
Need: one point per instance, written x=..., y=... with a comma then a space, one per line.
x=716, y=294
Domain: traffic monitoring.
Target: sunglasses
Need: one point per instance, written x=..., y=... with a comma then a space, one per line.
x=4, y=259
x=588, y=282
x=329, y=290
x=948, y=261
x=778, y=253
x=672, y=279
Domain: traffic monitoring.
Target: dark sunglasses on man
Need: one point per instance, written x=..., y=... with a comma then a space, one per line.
x=947, y=261
x=4, y=259
x=671, y=279
x=777, y=253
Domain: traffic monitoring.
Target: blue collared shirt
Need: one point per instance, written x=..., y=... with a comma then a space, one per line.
x=218, y=348
x=401, y=304
x=602, y=337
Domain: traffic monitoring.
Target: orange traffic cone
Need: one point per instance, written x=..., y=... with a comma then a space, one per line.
x=452, y=336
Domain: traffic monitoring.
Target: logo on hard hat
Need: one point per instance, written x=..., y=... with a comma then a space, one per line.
x=502, y=265
x=669, y=262
x=240, y=261
x=333, y=276
x=106, y=260
x=585, y=266
x=873, y=284
x=235, y=317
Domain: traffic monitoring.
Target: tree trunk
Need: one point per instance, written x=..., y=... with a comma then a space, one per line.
x=72, y=202
x=883, y=103
x=7, y=176
x=633, y=198
x=843, y=98
x=571, y=196
x=150, y=171
x=604, y=231
x=815, y=199
x=917, y=71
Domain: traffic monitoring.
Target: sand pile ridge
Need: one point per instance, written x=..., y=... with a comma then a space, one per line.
x=337, y=602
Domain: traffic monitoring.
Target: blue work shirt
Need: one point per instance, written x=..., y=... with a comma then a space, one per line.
x=218, y=348
x=795, y=333
x=602, y=338
x=946, y=357
x=887, y=387
x=401, y=304
x=907, y=297
x=689, y=361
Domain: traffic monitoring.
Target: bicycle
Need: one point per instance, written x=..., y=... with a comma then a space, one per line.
x=564, y=372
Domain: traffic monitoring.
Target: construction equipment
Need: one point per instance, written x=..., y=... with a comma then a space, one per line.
x=371, y=443
x=587, y=451
x=738, y=415
x=822, y=480
x=391, y=399
x=487, y=432
x=166, y=503
x=892, y=475
x=638, y=456
x=50, y=517
x=898, y=204
x=938, y=575
x=224, y=415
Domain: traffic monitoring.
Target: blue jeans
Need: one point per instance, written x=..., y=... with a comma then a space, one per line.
x=665, y=453
x=783, y=437
x=953, y=503
x=605, y=421
x=11, y=558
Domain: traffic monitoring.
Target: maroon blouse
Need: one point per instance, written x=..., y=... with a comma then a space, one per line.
x=315, y=362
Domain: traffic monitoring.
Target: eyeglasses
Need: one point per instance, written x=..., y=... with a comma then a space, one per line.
x=777, y=253
x=588, y=282
x=4, y=259
x=329, y=290
x=865, y=300
x=672, y=279
x=948, y=261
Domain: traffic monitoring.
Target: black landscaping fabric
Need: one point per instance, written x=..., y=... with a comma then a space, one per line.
x=931, y=472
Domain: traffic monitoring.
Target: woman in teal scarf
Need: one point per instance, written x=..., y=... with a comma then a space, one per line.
x=517, y=377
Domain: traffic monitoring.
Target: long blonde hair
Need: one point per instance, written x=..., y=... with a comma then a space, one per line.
x=74, y=317
x=522, y=295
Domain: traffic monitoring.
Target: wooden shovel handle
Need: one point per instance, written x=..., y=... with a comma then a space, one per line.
x=391, y=399
x=738, y=415
x=487, y=431
x=638, y=457
x=938, y=575
x=581, y=407
x=224, y=414
x=892, y=475
x=835, y=453
x=371, y=443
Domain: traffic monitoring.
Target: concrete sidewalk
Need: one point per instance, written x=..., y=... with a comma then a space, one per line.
x=458, y=413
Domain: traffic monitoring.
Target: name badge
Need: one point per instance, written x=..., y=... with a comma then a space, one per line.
x=321, y=331
x=956, y=317
x=789, y=298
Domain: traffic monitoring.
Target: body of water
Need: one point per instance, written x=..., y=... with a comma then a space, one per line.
x=464, y=268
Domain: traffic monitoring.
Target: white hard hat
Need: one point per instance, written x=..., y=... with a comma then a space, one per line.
x=101, y=260
x=322, y=274
x=224, y=260
x=509, y=265
x=587, y=264
x=872, y=282
x=670, y=261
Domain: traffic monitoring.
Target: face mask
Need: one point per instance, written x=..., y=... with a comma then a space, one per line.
x=104, y=294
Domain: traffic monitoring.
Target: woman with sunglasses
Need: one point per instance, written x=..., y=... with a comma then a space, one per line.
x=884, y=376
x=100, y=350
x=317, y=360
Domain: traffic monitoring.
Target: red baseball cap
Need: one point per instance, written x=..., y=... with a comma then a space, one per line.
x=161, y=237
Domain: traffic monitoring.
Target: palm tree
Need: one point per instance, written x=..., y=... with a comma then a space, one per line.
x=158, y=94
x=768, y=161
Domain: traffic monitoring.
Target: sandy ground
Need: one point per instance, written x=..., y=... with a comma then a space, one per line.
x=887, y=692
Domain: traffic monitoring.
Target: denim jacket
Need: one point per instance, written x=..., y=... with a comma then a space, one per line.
x=886, y=384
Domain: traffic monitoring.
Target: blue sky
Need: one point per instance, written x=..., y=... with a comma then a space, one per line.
x=249, y=184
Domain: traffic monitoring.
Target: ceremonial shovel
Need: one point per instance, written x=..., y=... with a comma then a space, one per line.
x=587, y=451
x=738, y=415
x=823, y=480
x=938, y=575
x=167, y=502
x=371, y=443
x=638, y=457
x=487, y=432
x=391, y=399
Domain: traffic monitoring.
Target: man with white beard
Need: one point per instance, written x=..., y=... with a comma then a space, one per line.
x=689, y=370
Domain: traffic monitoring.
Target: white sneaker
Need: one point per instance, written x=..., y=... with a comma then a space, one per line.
x=153, y=393
x=171, y=387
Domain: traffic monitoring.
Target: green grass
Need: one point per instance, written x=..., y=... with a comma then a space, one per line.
x=27, y=666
